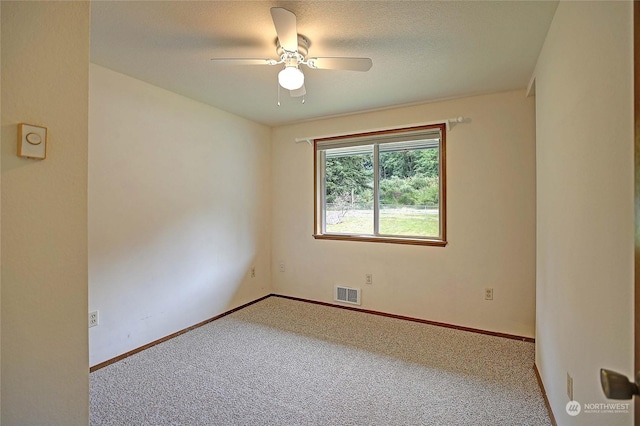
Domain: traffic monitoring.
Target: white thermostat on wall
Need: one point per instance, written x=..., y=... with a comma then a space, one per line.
x=32, y=141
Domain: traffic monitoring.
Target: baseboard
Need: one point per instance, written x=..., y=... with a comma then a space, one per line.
x=367, y=311
x=171, y=336
x=422, y=321
x=544, y=395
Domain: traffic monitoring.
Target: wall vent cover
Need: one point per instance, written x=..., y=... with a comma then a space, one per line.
x=347, y=295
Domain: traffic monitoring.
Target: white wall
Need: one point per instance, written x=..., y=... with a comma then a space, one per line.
x=178, y=212
x=0, y=222
x=45, y=72
x=491, y=221
x=585, y=226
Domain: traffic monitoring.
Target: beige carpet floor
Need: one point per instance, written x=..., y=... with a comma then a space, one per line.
x=284, y=362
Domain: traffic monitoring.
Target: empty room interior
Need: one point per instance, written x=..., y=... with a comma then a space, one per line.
x=318, y=212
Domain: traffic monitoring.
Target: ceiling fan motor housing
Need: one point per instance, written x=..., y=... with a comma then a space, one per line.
x=303, y=47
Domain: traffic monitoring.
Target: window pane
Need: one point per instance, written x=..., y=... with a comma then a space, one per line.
x=409, y=192
x=349, y=191
x=382, y=186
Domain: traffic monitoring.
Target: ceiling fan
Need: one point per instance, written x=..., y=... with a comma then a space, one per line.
x=292, y=49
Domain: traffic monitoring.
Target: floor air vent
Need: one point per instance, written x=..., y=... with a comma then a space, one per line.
x=347, y=295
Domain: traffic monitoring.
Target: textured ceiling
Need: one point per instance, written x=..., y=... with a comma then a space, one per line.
x=421, y=51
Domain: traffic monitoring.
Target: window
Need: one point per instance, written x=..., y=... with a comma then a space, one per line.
x=382, y=186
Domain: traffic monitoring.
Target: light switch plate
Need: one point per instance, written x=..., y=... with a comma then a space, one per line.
x=32, y=141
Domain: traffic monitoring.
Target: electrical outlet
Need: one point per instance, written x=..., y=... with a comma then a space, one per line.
x=569, y=387
x=253, y=272
x=93, y=318
x=368, y=279
x=282, y=268
x=488, y=293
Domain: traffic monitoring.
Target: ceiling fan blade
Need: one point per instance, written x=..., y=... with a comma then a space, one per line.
x=298, y=92
x=350, y=64
x=285, y=23
x=244, y=61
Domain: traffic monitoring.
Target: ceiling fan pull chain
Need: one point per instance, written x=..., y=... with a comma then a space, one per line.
x=278, y=93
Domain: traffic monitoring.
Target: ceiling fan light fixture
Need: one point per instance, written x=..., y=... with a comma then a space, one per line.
x=291, y=78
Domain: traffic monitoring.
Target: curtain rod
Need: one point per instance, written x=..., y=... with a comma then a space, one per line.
x=448, y=122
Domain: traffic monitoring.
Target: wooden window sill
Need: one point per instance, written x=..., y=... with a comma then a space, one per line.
x=373, y=239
